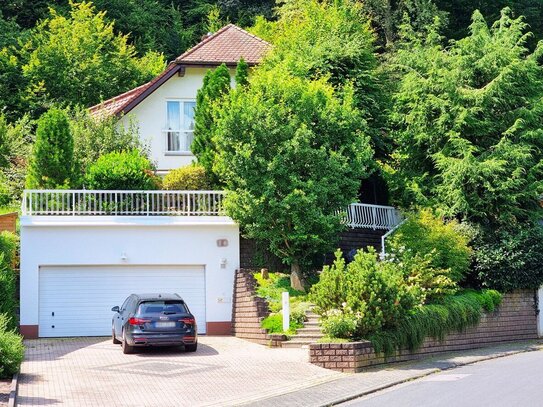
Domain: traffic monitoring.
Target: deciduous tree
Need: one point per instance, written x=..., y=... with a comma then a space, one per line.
x=291, y=153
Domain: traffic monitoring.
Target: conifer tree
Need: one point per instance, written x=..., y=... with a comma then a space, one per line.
x=51, y=164
x=242, y=73
x=468, y=123
x=216, y=84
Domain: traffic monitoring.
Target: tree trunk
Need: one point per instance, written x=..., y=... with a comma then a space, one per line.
x=296, y=280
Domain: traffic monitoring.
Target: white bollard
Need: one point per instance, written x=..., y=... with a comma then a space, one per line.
x=540, y=311
x=286, y=311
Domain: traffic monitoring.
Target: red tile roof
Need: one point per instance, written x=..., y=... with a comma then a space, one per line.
x=228, y=45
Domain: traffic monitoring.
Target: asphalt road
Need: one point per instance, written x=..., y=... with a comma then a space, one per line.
x=511, y=381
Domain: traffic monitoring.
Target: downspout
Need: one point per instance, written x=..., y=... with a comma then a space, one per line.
x=387, y=234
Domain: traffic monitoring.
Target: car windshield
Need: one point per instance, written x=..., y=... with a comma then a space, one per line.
x=162, y=307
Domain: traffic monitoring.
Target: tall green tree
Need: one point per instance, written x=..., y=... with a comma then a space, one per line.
x=79, y=59
x=468, y=123
x=52, y=164
x=152, y=25
x=216, y=84
x=291, y=153
x=314, y=38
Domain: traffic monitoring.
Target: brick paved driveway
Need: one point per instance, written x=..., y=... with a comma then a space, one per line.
x=224, y=371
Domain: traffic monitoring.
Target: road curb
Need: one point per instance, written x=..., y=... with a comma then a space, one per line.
x=451, y=365
x=12, y=402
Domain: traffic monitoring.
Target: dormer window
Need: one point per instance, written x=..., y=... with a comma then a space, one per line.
x=179, y=131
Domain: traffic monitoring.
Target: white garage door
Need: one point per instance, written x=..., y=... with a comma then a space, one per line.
x=77, y=301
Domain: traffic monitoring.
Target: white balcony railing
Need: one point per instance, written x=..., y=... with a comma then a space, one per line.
x=373, y=216
x=122, y=203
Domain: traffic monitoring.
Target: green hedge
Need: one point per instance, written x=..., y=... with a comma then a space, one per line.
x=509, y=258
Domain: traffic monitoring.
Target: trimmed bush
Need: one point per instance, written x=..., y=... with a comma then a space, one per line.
x=508, y=259
x=188, y=178
x=11, y=349
x=426, y=234
x=122, y=171
x=52, y=162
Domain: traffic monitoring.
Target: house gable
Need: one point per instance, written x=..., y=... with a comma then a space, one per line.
x=228, y=46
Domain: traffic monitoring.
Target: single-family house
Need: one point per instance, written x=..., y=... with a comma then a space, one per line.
x=83, y=252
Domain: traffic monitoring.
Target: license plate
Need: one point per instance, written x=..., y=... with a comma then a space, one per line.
x=165, y=324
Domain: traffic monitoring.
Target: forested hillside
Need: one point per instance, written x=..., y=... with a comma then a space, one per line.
x=439, y=102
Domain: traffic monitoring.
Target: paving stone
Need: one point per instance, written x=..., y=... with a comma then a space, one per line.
x=224, y=371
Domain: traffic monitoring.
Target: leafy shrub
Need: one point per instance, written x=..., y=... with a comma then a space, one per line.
x=190, y=177
x=507, y=259
x=375, y=292
x=450, y=314
x=340, y=324
x=95, y=138
x=444, y=244
x=9, y=245
x=11, y=349
x=125, y=170
x=7, y=293
x=427, y=281
x=274, y=324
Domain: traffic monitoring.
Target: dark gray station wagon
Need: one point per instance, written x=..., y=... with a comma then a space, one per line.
x=154, y=320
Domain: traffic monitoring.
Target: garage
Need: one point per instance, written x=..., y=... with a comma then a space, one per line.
x=77, y=301
x=75, y=268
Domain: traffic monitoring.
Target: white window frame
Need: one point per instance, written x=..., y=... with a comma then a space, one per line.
x=187, y=133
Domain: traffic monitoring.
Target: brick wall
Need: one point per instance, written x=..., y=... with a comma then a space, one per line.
x=253, y=256
x=515, y=320
x=249, y=310
x=8, y=222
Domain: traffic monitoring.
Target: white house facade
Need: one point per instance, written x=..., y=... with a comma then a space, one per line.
x=83, y=252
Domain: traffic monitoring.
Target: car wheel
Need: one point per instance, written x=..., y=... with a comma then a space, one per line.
x=114, y=339
x=191, y=348
x=127, y=349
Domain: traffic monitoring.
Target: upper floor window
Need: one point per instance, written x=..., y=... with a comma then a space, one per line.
x=179, y=125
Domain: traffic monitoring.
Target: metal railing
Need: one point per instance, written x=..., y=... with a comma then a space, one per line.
x=122, y=203
x=373, y=216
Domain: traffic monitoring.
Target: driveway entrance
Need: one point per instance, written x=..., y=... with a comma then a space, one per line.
x=224, y=371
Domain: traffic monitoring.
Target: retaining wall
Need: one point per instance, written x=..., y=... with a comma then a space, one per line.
x=249, y=310
x=514, y=320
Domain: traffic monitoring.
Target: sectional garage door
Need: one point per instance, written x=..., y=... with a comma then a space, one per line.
x=77, y=301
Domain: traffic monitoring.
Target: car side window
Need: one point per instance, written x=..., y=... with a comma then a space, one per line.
x=132, y=304
x=125, y=303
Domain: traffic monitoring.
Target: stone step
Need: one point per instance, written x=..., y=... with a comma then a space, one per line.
x=308, y=336
x=309, y=330
x=246, y=324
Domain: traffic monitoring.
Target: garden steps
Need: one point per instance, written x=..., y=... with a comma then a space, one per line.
x=310, y=333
